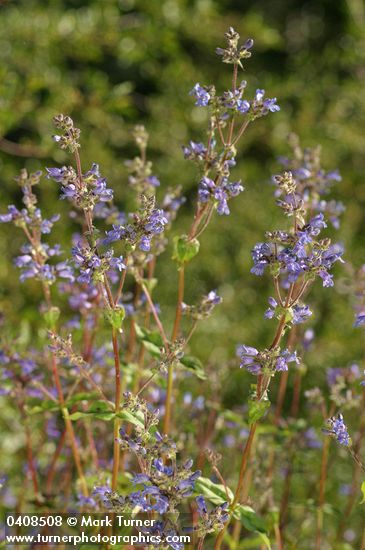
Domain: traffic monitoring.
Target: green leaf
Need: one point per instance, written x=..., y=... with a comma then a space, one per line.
x=42, y=406
x=257, y=409
x=151, y=340
x=99, y=410
x=253, y=543
x=185, y=249
x=249, y=519
x=363, y=492
x=137, y=419
x=82, y=396
x=214, y=492
x=194, y=364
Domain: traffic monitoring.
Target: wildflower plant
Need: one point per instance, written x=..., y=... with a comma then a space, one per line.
x=106, y=355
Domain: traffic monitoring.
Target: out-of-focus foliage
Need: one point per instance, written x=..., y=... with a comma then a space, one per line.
x=112, y=64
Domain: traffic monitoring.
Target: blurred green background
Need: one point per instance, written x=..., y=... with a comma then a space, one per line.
x=114, y=63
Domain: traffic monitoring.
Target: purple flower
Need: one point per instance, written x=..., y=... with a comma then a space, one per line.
x=332, y=375
x=360, y=320
x=201, y=94
x=311, y=439
x=261, y=255
x=247, y=357
x=156, y=222
x=13, y=214
x=261, y=106
x=153, y=180
x=145, y=243
x=234, y=189
x=221, y=196
x=300, y=314
x=213, y=298
x=284, y=358
x=243, y=106
x=202, y=507
x=150, y=500
x=270, y=312
x=338, y=429
x=117, y=263
x=195, y=151
x=206, y=185
x=326, y=278
x=47, y=225
x=362, y=383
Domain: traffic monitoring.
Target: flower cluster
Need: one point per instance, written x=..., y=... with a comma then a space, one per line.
x=215, y=187
x=33, y=264
x=338, y=429
x=92, y=266
x=84, y=191
x=145, y=224
x=205, y=308
x=297, y=314
x=70, y=136
x=267, y=361
x=298, y=254
x=312, y=181
x=213, y=520
x=234, y=52
x=209, y=190
x=35, y=254
x=139, y=169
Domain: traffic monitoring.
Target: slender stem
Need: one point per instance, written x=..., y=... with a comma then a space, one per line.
x=241, y=132
x=121, y=283
x=220, y=131
x=118, y=397
x=147, y=383
x=244, y=461
x=200, y=211
x=262, y=385
x=175, y=333
x=30, y=456
x=34, y=240
x=355, y=477
x=52, y=468
x=156, y=317
x=296, y=394
x=222, y=480
x=322, y=483
x=206, y=222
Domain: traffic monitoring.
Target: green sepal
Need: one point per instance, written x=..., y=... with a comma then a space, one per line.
x=115, y=317
x=257, y=409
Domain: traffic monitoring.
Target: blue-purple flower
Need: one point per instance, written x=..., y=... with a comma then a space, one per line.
x=201, y=94
x=267, y=361
x=338, y=429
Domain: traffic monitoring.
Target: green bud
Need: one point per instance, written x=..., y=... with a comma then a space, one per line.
x=185, y=249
